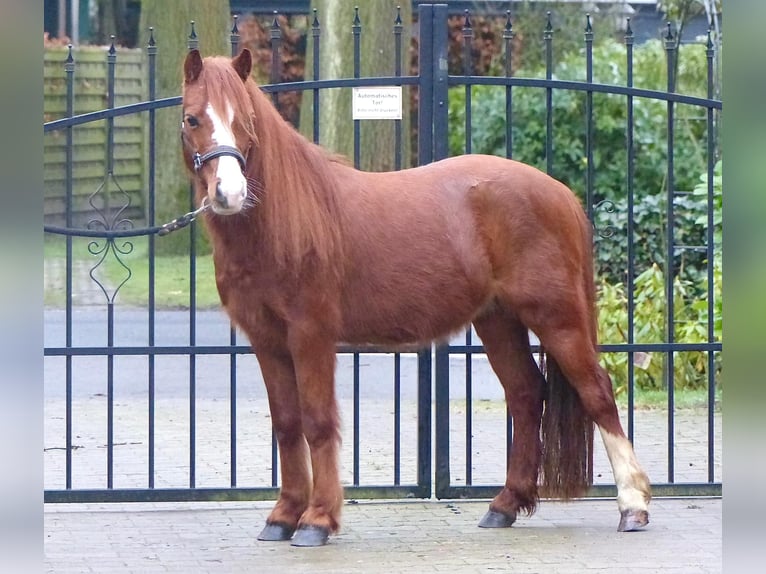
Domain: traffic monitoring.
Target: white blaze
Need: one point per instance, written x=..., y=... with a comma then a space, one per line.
x=232, y=183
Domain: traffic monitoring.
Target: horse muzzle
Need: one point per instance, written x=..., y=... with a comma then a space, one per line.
x=228, y=199
x=228, y=191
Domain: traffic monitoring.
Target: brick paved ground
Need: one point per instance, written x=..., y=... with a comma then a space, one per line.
x=388, y=537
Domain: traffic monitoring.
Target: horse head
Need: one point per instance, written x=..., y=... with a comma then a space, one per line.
x=217, y=128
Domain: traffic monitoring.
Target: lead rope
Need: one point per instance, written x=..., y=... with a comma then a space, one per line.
x=161, y=230
x=184, y=220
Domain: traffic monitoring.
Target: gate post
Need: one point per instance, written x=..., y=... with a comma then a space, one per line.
x=432, y=88
x=432, y=146
x=441, y=151
x=440, y=64
x=425, y=155
x=425, y=85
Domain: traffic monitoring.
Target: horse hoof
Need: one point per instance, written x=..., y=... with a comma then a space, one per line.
x=310, y=536
x=497, y=520
x=633, y=520
x=275, y=531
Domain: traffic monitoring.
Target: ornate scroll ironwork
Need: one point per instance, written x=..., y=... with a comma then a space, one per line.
x=605, y=206
x=109, y=219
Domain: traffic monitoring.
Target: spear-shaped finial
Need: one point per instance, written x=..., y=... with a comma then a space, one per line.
x=192, y=41
x=669, y=38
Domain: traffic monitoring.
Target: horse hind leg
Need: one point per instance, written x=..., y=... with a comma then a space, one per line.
x=633, y=487
x=506, y=343
x=568, y=340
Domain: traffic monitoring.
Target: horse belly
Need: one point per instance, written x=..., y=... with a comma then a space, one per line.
x=414, y=302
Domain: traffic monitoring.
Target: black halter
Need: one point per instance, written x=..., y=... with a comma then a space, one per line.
x=218, y=151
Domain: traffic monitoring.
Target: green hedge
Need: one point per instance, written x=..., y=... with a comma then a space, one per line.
x=690, y=317
x=690, y=326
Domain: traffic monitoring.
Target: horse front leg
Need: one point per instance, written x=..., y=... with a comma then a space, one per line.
x=314, y=359
x=284, y=403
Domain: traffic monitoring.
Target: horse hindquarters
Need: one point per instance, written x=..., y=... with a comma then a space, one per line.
x=548, y=284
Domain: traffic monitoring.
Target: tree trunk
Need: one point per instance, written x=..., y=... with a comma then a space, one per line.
x=336, y=60
x=171, y=22
x=112, y=19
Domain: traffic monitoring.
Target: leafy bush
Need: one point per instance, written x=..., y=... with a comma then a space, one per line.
x=609, y=151
x=690, y=320
x=701, y=191
x=690, y=316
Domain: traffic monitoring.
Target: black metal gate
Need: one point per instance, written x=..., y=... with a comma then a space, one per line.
x=119, y=379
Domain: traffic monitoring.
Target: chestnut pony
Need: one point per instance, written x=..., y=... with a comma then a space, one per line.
x=310, y=252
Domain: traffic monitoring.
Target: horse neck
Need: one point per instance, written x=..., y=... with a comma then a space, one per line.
x=297, y=212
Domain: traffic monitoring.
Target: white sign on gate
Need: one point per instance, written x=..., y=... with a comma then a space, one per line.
x=378, y=103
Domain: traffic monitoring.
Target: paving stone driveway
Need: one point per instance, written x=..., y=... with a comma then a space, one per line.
x=386, y=537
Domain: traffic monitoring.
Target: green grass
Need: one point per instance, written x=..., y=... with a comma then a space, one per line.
x=686, y=399
x=171, y=282
x=643, y=400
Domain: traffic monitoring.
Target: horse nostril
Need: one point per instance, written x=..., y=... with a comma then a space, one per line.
x=220, y=197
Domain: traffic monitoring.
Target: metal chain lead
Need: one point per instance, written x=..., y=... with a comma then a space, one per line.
x=184, y=220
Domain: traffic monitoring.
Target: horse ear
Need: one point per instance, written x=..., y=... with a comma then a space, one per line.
x=243, y=64
x=192, y=66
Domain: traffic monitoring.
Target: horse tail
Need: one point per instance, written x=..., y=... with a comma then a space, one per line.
x=567, y=430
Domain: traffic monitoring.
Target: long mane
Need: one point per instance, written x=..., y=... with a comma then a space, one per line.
x=297, y=209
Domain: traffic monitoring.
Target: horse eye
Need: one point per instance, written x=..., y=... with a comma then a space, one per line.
x=192, y=121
